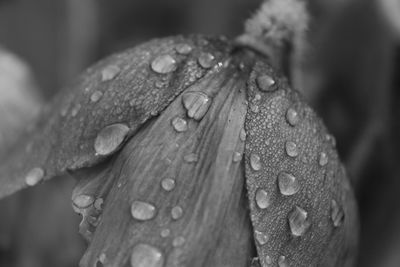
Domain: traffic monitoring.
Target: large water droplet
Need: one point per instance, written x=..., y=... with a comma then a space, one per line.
x=164, y=64
x=262, y=199
x=206, y=60
x=323, y=159
x=142, y=211
x=179, y=124
x=291, y=149
x=288, y=184
x=298, y=221
x=109, y=73
x=183, y=49
x=292, y=117
x=282, y=261
x=168, y=184
x=266, y=83
x=144, y=255
x=110, y=138
x=83, y=201
x=337, y=214
x=96, y=96
x=34, y=176
x=262, y=238
x=178, y=241
x=191, y=158
x=196, y=104
x=176, y=212
x=255, y=162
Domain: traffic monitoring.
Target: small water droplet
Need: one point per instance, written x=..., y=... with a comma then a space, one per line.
x=183, y=49
x=83, y=201
x=102, y=260
x=292, y=117
x=330, y=138
x=337, y=214
x=168, y=184
x=282, y=261
x=237, y=156
x=142, y=211
x=196, y=104
x=298, y=221
x=255, y=162
x=268, y=260
x=176, y=212
x=266, y=83
x=206, y=60
x=165, y=233
x=178, y=241
x=257, y=97
x=262, y=199
x=144, y=255
x=75, y=110
x=96, y=96
x=254, y=108
x=110, y=138
x=262, y=238
x=164, y=64
x=98, y=204
x=179, y=124
x=242, y=135
x=109, y=73
x=291, y=149
x=191, y=158
x=34, y=176
x=288, y=184
x=323, y=159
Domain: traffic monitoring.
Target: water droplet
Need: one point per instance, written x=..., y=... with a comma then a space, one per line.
x=34, y=176
x=179, y=124
x=206, y=60
x=237, y=156
x=168, y=184
x=262, y=238
x=144, y=255
x=109, y=73
x=75, y=110
x=98, y=204
x=176, y=212
x=254, y=108
x=96, y=96
x=330, y=138
x=323, y=159
x=262, y=199
x=257, y=97
x=142, y=211
x=178, y=241
x=255, y=162
x=292, y=117
x=268, y=260
x=291, y=149
x=83, y=201
x=298, y=221
x=110, y=138
x=102, y=259
x=164, y=64
x=183, y=49
x=337, y=214
x=288, y=184
x=165, y=233
x=282, y=261
x=266, y=83
x=190, y=158
x=196, y=104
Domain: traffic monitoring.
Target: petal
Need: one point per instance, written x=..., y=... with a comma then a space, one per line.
x=125, y=89
x=199, y=219
x=295, y=220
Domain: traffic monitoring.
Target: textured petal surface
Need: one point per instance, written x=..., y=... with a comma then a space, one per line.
x=126, y=88
x=305, y=214
x=186, y=185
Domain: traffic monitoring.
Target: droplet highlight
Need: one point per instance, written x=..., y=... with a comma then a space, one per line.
x=142, y=211
x=144, y=255
x=337, y=214
x=196, y=104
x=206, y=60
x=288, y=184
x=266, y=83
x=168, y=184
x=291, y=149
x=255, y=162
x=179, y=124
x=262, y=199
x=34, y=176
x=298, y=221
x=110, y=138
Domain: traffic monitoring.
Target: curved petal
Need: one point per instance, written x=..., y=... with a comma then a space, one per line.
x=302, y=209
x=179, y=196
x=124, y=89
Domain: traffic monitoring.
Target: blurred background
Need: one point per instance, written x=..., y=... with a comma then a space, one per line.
x=350, y=74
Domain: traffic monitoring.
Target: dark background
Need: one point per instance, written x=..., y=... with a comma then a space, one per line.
x=350, y=75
